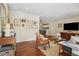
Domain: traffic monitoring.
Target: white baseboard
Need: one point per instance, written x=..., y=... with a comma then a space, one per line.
x=24, y=40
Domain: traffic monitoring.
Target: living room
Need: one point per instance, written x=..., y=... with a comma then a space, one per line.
x=23, y=25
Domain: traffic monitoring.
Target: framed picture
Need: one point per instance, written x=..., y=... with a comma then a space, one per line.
x=59, y=25
x=16, y=22
x=34, y=23
x=23, y=20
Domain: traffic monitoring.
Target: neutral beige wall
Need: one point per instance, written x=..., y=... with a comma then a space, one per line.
x=53, y=26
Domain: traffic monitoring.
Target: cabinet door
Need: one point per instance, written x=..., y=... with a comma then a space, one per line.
x=67, y=50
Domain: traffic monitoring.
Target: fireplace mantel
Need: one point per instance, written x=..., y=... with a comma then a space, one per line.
x=7, y=46
x=7, y=40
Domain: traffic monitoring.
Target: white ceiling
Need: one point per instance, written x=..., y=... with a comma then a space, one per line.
x=46, y=10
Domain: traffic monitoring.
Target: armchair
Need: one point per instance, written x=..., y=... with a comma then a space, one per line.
x=40, y=40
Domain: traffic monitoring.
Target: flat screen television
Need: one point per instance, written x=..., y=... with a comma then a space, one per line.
x=71, y=26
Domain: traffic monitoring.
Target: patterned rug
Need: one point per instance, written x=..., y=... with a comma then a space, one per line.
x=52, y=51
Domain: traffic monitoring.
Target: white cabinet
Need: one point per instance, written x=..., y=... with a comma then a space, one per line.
x=74, y=47
x=76, y=52
x=75, y=39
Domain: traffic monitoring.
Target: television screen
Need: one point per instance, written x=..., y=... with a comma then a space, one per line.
x=71, y=26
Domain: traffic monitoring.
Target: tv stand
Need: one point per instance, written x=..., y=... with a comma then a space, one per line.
x=68, y=48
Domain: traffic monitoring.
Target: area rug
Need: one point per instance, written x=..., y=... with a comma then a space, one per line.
x=52, y=51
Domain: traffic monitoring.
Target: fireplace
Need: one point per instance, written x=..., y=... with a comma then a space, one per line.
x=7, y=50
x=7, y=46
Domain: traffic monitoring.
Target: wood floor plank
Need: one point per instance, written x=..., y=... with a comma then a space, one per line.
x=27, y=48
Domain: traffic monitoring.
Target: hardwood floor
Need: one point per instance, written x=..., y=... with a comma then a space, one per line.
x=27, y=48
